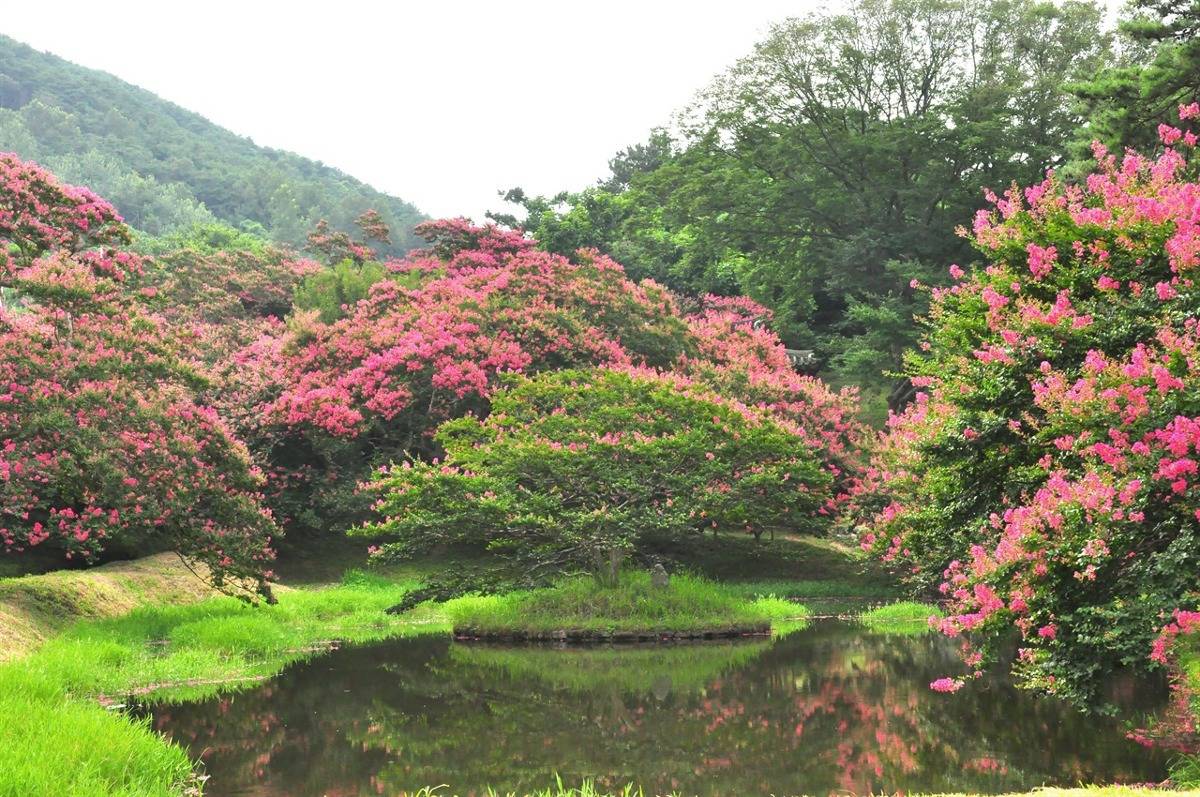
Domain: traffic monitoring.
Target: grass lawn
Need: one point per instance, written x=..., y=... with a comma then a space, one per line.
x=34, y=608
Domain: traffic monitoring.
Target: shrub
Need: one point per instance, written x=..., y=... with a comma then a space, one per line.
x=1046, y=479
x=577, y=468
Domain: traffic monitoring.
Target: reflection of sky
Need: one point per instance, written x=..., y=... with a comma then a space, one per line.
x=827, y=709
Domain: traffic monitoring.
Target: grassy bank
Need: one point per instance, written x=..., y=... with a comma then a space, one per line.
x=35, y=608
x=902, y=617
x=686, y=604
x=57, y=738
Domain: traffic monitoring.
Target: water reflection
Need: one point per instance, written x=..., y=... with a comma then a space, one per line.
x=828, y=709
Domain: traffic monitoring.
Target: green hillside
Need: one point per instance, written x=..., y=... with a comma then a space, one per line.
x=166, y=168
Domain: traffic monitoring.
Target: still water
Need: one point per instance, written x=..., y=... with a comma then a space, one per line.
x=831, y=709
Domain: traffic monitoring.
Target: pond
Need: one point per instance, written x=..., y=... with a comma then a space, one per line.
x=832, y=708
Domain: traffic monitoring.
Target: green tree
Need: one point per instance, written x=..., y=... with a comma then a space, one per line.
x=579, y=468
x=829, y=168
x=1159, y=71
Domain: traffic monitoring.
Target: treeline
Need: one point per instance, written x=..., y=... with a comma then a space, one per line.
x=167, y=169
x=827, y=173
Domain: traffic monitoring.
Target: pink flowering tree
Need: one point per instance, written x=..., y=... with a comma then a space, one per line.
x=429, y=344
x=580, y=468
x=745, y=360
x=102, y=442
x=1047, y=480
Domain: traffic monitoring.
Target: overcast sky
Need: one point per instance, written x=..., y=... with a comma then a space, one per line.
x=441, y=104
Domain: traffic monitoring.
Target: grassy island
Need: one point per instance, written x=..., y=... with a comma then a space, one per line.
x=580, y=608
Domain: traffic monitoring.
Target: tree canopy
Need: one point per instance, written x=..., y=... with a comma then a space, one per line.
x=830, y=167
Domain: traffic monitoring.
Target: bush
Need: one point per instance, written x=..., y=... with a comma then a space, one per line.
x=577, y=468
x=1046, y=480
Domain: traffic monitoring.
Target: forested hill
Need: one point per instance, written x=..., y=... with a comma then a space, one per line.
x=166, y=168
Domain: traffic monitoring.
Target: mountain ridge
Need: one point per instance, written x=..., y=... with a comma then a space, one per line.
x=168, y=168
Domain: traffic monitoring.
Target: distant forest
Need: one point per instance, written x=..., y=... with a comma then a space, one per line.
x=167, y=169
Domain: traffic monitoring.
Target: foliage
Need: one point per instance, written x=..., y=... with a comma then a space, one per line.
x=168, y=169
x=1159, y=72
x=374, y=385
x=828, y=168
x=740, y=358
x=226, y=287
x=430, y=342
x=209, y=239
x=1045, y=479
x=102, y=442
x=576, y=468
x=332, y=292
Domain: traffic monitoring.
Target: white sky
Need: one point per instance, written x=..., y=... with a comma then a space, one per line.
x=441, y=104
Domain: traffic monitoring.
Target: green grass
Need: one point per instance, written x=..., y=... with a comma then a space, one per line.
x=688, y=603
x=51, y=744
x=34, y=608
x=57, y=739
x=178, y=650
x=904, y=617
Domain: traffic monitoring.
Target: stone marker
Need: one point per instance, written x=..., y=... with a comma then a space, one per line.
x=659, y=577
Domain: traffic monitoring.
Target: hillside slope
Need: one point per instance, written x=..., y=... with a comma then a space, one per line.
x=166, y=168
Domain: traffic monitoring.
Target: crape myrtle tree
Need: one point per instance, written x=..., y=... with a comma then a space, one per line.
x=426, y=345
x=102, y=442
x=1046, y=480
x=580, y=468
